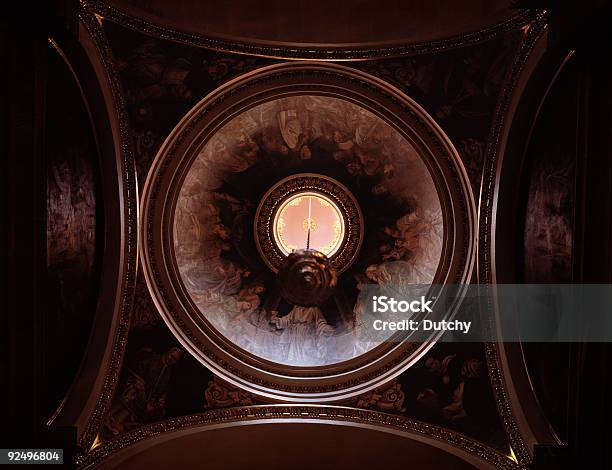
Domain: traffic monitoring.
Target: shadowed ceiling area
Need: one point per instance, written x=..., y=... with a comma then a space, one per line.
x=321, y=22
x=282, y=445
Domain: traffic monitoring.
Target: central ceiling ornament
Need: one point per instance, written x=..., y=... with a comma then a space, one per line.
x=308, y=227
x=306, y=278
x=309, y=219
x=309, y=211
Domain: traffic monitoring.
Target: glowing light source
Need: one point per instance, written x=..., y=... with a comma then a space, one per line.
x=309, y=219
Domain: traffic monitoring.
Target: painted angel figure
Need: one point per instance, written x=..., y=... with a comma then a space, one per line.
x=303, y=328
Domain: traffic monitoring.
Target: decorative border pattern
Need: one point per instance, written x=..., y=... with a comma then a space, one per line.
x=345, y=201
x=283, y=412
x=129, y=268
x=128, y=175
x=533, y=32
x=313, y=52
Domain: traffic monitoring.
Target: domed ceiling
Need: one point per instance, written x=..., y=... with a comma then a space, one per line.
x=213, y=224
x=285, y=160
x=227, y=168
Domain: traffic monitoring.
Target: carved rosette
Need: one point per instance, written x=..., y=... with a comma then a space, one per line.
x=389, y=398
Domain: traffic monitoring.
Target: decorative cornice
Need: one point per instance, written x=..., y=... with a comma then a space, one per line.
x=130, y=214
x=313, y=52
x=279, y=413
x=532, y=33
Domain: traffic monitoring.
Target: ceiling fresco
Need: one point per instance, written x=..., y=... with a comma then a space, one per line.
x=215, y=210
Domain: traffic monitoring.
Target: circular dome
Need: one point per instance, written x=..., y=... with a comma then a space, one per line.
x=289, y=157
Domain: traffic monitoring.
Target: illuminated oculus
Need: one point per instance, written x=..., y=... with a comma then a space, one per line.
x=308, y=219
x=308, y=210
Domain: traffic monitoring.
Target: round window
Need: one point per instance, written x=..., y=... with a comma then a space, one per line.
x=308, y=219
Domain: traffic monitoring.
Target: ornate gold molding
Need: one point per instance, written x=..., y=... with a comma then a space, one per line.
x=313, y=52
x=533, y=32
x=128, y=266
x=280, y=413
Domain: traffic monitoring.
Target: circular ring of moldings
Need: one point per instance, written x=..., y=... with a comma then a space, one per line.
x=337, y=193
x=328, y=383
